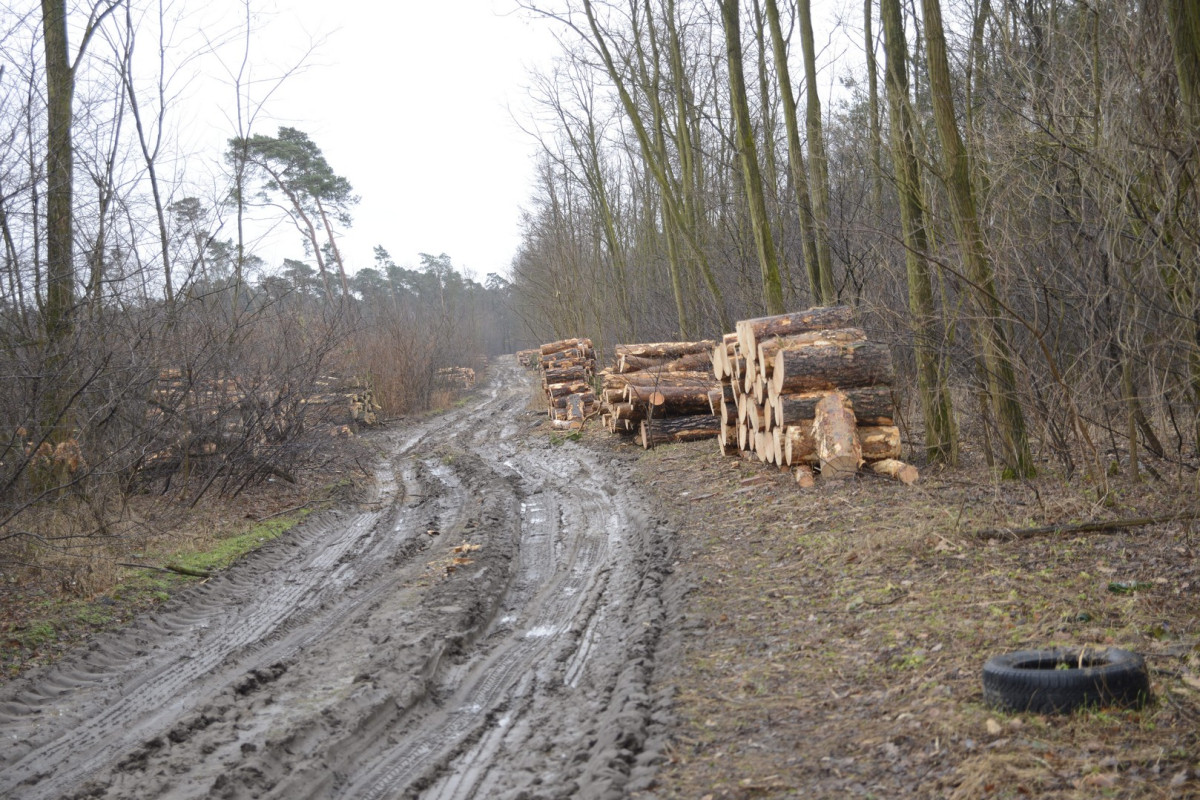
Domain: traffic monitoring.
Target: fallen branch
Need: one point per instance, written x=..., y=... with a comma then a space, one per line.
x=172, y=568
x=1094, y=526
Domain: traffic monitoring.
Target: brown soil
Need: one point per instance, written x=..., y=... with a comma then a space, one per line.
x=836, y=636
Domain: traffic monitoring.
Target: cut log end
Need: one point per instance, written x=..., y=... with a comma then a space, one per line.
x=805, y=478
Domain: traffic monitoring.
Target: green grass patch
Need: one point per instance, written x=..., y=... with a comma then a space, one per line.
x=61, y=624
x=234, y=547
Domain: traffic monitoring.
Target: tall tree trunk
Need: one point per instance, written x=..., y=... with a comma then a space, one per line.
x=654, y=162
x=819, y=283
x=149, y=153
x=333, y=248
x=941, y=440
x=769, y=126
x=1183, y=17
x=761, y=225
x=60, y=89
x=990, y=332
x=817, y=159
x=874, y=140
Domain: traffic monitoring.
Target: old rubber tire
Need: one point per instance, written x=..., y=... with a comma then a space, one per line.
x=1051, y=681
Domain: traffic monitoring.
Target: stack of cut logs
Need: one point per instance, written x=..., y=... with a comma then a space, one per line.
x=659, y=392
x=806, y=390
x=528, y=358
x=462, y=378
x=567, y=369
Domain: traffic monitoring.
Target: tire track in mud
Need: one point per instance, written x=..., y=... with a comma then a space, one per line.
x=338, y=663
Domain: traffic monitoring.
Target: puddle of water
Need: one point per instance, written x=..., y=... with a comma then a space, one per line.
x=542, y=631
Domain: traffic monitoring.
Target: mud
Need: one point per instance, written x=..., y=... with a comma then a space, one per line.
x=369, y=654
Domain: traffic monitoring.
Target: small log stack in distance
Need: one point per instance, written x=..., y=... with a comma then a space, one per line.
x=807, y=390
x=567, y=368
x=659, y=392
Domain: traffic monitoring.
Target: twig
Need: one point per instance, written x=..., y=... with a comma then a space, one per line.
x=172, y=568
x=1094, y=526
x=290, y=510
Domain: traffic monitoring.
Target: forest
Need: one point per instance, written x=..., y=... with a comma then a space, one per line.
x=1005, y=190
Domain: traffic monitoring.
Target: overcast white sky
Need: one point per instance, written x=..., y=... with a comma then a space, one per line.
x=413, y=101
x=410, y=101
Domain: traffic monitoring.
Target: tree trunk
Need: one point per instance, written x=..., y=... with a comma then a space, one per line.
x=751, y=331
x=820, y=283
x=818, y=161
x=748, y=151
x=769, y=347
x=941, y=439
x=679, y=429
x=60, y=154
x=830, y=367
x=877, y=443
x=872, y=406
x=990, y=333
x=664, y=349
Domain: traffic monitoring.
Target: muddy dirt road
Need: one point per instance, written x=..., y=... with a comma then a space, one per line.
x=359, y=656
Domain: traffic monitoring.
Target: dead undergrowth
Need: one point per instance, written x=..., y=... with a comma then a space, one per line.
x=54, y=593
x=836, y=635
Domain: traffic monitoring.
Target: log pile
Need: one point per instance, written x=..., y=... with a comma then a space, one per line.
x=461, y=378
x=659, y=392
x=528, y=358
x=568, y=367
x=807, y=392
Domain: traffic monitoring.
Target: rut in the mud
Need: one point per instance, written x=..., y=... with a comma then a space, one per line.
x=362, y=657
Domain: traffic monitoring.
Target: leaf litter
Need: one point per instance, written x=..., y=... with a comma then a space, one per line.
x=835, y=636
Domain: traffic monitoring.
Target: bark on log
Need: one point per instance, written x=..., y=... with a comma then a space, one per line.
x=838, y=449
x=578, y=406
x=679, y=429
x=729, y=414
x=664, y=349
x=564, y=344
x=613, y=394
x=896, y=470
x=670, y=401
x=566, y=375
x=872, y=406
x=630, y=411
x=767, y=348
x=751, y=331
x=698, y=380
x=1093, y=526
x=565, y=400
x=831, y=367
x=560, y=389
x=630, y=363
x=570, y=354
x=877, y=442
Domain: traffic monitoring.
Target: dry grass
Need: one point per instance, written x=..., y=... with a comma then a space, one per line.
x=838, y=635
x=66, y=579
